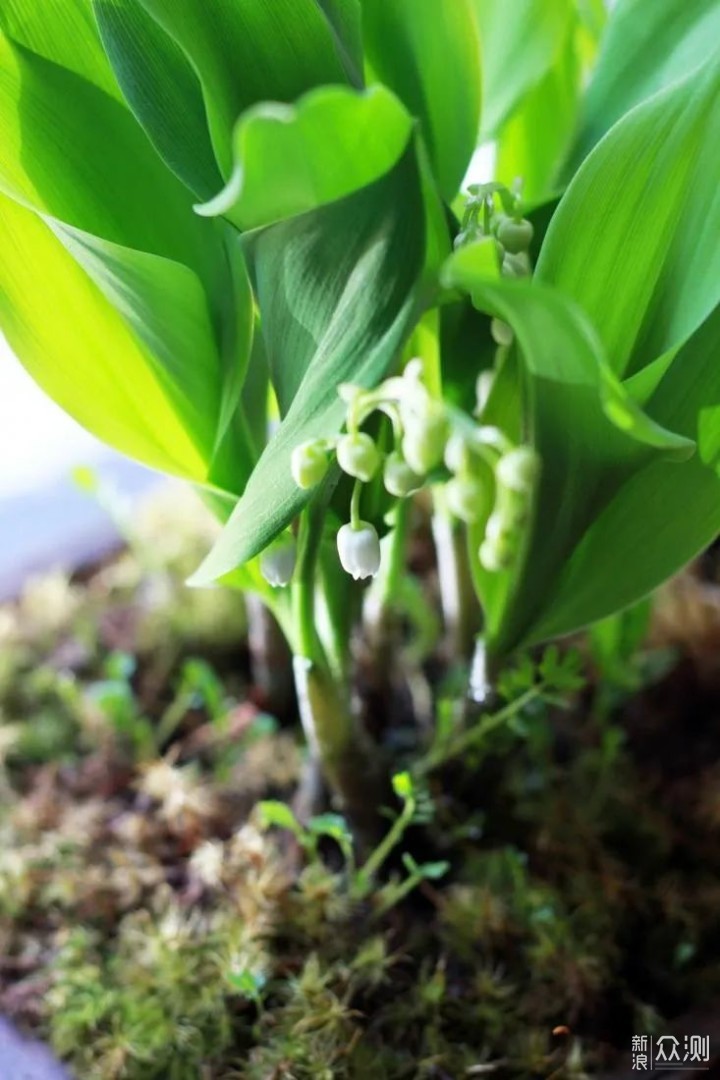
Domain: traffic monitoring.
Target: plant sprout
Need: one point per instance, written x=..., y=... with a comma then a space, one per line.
x=236, y=246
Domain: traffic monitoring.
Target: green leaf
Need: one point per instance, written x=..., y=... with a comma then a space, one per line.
x=520, y=45
x=163, y=91
x=80, y=350
x=76, y=157
x=634, y=239
x=588, y=432
x=429, y=54
x=336, y=289
x=293, y=158
x=252, y=51
x=664, y=514
x=533, y=141
x=69, y=151
x=647, y=47
x=276, y=814
x=345, y=18
x=63, y=31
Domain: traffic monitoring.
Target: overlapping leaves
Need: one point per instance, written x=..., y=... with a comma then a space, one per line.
x=647, y=47
x=82, y=185
x=429, y=55
x=627, y=247
x=335, y=298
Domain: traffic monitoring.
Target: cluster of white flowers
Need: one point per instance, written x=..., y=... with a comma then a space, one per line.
x=490, y=479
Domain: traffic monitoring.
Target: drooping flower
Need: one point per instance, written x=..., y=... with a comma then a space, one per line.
x=359, y=550
x=358, y=455
x=309, y=463
x=277, y=563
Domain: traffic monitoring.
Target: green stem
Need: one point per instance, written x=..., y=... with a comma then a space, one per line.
x=376, y=860
x=355, y=504
x=461, y=610
x=269, y=655
x=394, y=567
x=345, y=756
x=474, y=736
x=306, y=640
x=398, y=894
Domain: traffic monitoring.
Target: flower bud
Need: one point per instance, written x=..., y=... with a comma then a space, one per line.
x=456, y=453
x=359, y=550
x=498, y=530
x=467, y=498
x=358, y=456
x=399, y=478
x=515, y=236
x=518, y=469
x=497, y=548
x=425, y=436
x=516, y=266
x=483, y=387
x=277, y=563
x=494, y=558
x=309, y=463
x=501, y=333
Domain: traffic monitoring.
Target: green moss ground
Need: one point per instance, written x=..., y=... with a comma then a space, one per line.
x=153, y=928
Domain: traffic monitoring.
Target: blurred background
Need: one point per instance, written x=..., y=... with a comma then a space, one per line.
x=46, y=519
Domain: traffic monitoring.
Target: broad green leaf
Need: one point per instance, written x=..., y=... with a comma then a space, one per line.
x=63, y=31
x=72, y=154
x=162, y=89
x=533, y=141
x=294, y=158
x=336, y=289
x=252, y=51
x=237, y=446
x=80, y=350
x=427, y=51
x=587, y=430
x=165, y=306
x=634, y=239
x=647, y=47
x=520, y=43
x=345, y=18
x=664, y=514
x=70, y=151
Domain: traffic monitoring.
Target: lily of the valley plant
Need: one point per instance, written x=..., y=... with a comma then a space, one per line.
x=235, y=243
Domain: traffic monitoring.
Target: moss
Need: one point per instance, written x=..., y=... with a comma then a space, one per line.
x=150, y=926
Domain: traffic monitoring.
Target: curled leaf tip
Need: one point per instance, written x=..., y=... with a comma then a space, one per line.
x=224, y=201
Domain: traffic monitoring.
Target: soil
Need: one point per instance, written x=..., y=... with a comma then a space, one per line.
x=153, y=924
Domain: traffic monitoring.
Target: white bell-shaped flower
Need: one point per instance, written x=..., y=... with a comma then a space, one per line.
x=277, y=563
x=359, y=550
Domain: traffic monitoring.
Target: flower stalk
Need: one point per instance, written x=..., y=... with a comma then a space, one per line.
x=347, y=759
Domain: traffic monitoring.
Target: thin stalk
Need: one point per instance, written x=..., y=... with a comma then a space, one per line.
x=461, y=611
x=344, y=753
x=383, y=606
x=474, y=736
x=269, y=656
x=378, y=857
